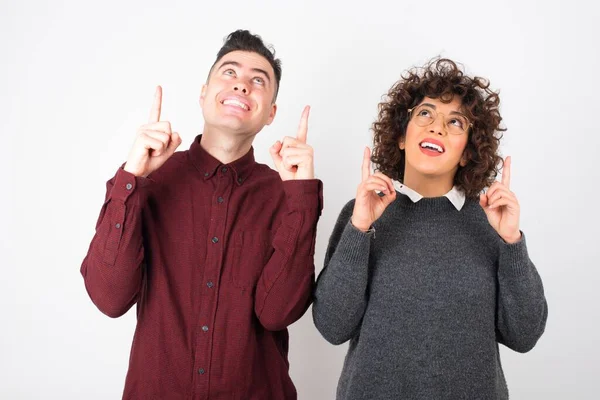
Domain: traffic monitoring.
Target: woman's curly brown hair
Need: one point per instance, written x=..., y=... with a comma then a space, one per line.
x=442, y=79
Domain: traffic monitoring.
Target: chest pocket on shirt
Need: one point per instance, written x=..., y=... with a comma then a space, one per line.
x=250, y=252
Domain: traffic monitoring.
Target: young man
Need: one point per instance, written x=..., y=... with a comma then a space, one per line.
x=215, y=249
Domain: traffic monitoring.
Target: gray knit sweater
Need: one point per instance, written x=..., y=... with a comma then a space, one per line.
x=425, y=300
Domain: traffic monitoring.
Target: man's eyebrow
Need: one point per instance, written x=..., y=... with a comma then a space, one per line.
x=237, y=64
x=263, y=72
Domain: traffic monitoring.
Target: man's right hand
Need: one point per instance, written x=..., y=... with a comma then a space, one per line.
x=154, y=143
x=368, y=205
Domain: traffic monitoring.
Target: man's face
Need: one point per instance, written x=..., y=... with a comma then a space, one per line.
x=238, y=97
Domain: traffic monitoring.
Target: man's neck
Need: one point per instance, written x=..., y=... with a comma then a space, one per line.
x=224, y=147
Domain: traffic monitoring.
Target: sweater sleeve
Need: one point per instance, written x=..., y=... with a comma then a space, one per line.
x=341, y=290
x=522, y=307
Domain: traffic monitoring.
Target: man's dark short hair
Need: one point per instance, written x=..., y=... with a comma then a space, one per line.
x=243, y=40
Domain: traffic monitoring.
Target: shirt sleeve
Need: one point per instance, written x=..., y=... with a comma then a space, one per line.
x=341, y=293
x=522, y=307
x=112, y=269
x=284, y=288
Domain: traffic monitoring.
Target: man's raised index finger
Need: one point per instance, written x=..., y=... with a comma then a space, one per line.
x=303, y=127
x=156, y=106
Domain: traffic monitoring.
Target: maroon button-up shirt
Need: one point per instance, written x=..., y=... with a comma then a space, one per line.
x=220, y=260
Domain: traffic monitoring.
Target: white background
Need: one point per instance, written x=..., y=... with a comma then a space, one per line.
x=77, y=79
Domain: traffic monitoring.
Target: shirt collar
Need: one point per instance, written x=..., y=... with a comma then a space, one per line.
x=208, y=165
x=455, y=195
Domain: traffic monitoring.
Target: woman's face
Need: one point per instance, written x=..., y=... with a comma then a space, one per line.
x=435, y=140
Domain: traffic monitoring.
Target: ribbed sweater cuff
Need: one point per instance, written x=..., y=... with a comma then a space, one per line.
x=514, y=258
x=355, y=244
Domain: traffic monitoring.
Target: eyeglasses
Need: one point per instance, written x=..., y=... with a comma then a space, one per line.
x=425, y=115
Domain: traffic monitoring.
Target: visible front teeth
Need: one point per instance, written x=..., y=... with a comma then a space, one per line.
x=234, y=102
x=427, y=145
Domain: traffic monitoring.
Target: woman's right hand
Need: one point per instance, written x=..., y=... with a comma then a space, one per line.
x=369, y=205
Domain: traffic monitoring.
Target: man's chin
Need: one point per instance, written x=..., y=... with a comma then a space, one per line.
x=236, y=128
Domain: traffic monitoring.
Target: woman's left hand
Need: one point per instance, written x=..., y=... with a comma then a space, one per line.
x=502, y=207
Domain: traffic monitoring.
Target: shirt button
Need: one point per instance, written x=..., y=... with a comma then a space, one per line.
x=129, y=186
x=205, y=328
x=206, y=174
x=201, y=371
x=240, y=180
x=118, y=225
x=224, y=169
x=219, y=199
x=209, y=284
x=215, y=239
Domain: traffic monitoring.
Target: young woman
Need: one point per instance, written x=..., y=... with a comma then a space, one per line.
x=425, y=273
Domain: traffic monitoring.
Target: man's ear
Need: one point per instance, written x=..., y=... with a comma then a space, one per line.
x=272, y=114
x=202, y=95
